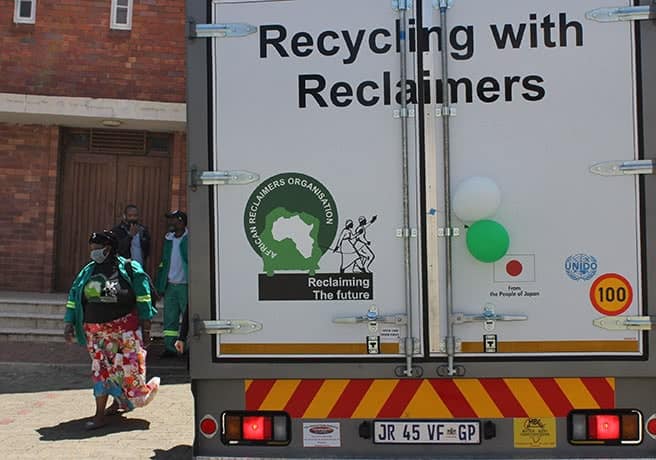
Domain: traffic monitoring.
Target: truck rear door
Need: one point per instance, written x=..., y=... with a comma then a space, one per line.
x=543, y=144
x=313, y=250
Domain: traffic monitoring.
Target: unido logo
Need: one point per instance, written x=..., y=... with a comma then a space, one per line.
x=581, y=267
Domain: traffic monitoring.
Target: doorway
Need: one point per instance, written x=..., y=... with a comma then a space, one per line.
x=103, y=171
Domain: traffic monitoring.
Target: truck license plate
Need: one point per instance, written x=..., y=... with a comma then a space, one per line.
x=427, y=432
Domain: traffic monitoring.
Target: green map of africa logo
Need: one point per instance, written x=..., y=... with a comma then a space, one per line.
x=290, y=221
x=93, y=288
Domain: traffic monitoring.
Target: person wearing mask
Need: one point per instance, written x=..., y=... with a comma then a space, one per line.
x=109, y=310
x=133, y=237
x=171, y=282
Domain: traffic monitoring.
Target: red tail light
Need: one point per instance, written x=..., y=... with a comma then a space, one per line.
x=256, y=428
x=208, y=426
x=651, y=426
x=267, y=428
x=605, y=427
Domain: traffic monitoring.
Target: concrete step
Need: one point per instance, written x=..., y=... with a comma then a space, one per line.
x=31, y=320
x=16, y=307
x=10, y=334
x=53, y=309
x=43, y=320
x=40, y=317
x=23, y=334
x=34, y=302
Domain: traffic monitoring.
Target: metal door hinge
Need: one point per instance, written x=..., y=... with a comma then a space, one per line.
x=622, y=13
x=489, y=317
x=624, y=323
x=233, y=326
x=222, y=177
x=233, y=29
x=623, y=168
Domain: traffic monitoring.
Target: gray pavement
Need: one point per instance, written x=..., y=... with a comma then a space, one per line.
x=45, y=398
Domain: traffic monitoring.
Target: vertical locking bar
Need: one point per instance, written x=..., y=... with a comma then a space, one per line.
x=450, y=339
x=409, y=340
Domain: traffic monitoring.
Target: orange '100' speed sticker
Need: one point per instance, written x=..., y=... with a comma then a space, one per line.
x=611, y=294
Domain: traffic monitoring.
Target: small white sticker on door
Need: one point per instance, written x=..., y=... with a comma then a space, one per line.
x=390, y=334
x=321, y=435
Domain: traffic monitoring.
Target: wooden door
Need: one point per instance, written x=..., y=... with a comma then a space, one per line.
x=144, y=181
x=103, y=172
x=87, y=203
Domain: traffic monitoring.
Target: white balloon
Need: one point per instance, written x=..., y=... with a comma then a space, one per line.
x=476, y=198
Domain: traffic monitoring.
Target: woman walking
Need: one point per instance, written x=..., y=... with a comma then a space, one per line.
x=109, y=310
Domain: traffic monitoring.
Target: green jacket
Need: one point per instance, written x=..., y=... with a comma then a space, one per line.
x=139, y=283
x=163, y=268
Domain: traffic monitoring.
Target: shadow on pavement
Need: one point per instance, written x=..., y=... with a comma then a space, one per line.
x=177, y=453
x=169, y=377
x=74, y=429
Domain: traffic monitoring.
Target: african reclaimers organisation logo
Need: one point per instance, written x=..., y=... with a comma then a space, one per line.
x=290, y=222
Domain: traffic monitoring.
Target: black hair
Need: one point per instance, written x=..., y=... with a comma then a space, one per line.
x=130, y=206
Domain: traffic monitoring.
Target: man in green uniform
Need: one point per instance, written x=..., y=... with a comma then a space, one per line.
x=172, y=277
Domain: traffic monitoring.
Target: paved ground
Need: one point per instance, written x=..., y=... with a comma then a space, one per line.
x=43, y=408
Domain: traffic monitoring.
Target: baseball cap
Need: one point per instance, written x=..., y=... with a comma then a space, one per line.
x=104, y=237
x=177, y=214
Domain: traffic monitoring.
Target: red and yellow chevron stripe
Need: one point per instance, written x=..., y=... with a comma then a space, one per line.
x=430, y=398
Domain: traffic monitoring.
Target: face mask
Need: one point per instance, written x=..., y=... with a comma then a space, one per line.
x=98, y=256
x=171, y=228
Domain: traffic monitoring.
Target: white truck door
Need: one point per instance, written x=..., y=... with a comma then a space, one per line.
x=313, y=251
x=549, y=246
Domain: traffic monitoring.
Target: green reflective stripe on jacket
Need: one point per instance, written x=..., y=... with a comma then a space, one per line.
x=75, y=314
x=139, y=283
x=70, y=304
x=169, y=333
x=144, y=298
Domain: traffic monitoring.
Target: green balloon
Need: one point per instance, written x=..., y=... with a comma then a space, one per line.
x=487, y=240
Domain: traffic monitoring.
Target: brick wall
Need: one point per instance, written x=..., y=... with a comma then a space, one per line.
x=71, y=51
x=28, y=174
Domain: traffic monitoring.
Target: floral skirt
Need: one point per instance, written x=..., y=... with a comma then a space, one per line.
x=118, y=362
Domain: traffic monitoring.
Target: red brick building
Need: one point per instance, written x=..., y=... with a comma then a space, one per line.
x=92, y=118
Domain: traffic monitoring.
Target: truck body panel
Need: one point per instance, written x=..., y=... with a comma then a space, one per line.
x=318, y=239
x=313, y=251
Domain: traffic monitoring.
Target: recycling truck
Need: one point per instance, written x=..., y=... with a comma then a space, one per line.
x=422, y=228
